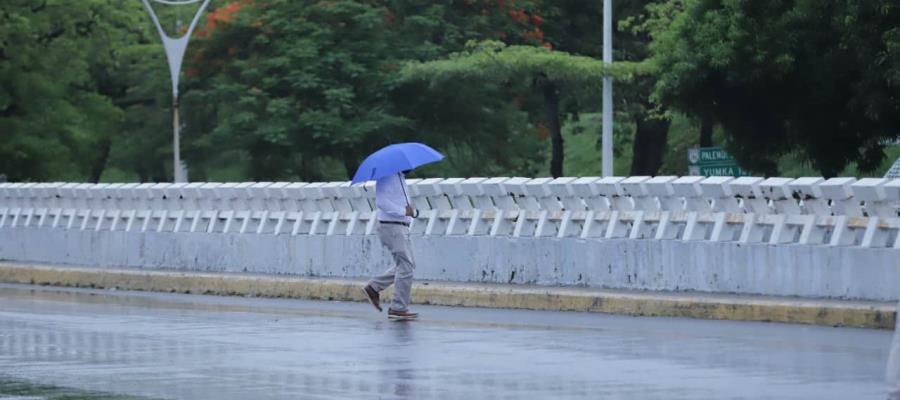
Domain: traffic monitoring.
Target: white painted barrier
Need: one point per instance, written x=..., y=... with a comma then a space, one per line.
x=807, y=237
x=775, y=211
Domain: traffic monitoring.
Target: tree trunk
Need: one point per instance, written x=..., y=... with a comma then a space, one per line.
x=706, y=132
x=99, y=163
x=551, y=110
x=262, y=166
x=351, y=163
x=649, y=148
x=156, y=171
x=141, y=173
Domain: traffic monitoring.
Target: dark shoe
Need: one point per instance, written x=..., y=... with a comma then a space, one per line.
x=373, y=297
x=401, y=315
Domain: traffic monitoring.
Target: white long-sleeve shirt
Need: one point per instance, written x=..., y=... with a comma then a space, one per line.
x=391, y=198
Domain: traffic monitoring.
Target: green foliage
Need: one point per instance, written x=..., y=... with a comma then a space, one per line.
x=552, y=73
x=300, y=81
x=64, y=74
x=304, y=89
x=582, y=144
x=52, y=110
x=494, y=61
x=786, y=76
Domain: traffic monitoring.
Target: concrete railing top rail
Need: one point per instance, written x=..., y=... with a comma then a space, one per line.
x=807, y=211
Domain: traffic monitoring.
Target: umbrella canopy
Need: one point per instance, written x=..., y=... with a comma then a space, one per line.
x=393, y=159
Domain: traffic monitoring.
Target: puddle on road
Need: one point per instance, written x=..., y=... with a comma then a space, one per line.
x=11, y=388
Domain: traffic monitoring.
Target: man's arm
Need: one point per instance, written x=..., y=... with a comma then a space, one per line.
x=391, y=199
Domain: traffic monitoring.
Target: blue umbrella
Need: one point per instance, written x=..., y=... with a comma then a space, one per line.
x=393, y=159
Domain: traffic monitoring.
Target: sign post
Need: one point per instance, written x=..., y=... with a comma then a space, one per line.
x=712, y=161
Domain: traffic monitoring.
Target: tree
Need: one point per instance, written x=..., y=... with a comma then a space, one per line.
x=298, y=88
x=53, y=110
x=782, y=76
x=493, y=135
x=291, y=82
x=66, y=81
x=575, y=27
x=550, y=73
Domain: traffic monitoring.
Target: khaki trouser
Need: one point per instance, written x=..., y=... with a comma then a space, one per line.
x=396, y=239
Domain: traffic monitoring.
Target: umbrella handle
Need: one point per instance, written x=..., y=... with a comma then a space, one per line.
x=406, y=196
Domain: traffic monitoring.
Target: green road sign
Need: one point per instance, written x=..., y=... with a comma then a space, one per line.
x=722, y=170
x=712, y=161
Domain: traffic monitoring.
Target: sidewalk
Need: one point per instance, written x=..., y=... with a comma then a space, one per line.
x=878, y=315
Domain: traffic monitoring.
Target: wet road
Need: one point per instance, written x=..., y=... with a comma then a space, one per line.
x=204, y=347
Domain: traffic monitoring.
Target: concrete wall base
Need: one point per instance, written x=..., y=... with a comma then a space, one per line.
x=657, y=265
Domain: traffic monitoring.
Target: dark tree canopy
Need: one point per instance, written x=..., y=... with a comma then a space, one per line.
x=304, y=89
x=816, y=78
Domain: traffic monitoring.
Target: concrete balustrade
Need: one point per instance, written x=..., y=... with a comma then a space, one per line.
x=808, y=237
x=776, y=211
x=835, y=212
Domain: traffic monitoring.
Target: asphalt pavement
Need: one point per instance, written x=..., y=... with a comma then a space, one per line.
x=176, y=346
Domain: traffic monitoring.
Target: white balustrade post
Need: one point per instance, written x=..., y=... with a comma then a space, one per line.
x=176, y=206
x=878, y=209
x=276, y=204
x=541, y=202
x=337, y=193
x=243, y=214
x=507, y=209
x=727, y=212
x=369, y=196
x=483, y=207
x=224, y=196
x=587, y=190
x=317, y=207
x=528, y=208
x=294, y=203
x=812, y=205
x=569, y=225
x=428, y=193
x=656, y=223
x=610, y=187
x=126, y=202
x=5, y=202
x=461, y=209
x=890, y=215
x=746, y=188
x=258, y=202
x=26, y=206
x=778, y=192
x=360, y=211
x=697, y=219
x=192, y=211
x=644, y=203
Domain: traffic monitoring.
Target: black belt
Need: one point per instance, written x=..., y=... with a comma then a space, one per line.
x=394, y=222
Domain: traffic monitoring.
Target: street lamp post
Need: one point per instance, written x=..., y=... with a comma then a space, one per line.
x=607, y=147
x=175, y=49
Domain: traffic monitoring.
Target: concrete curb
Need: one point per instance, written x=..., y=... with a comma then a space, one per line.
x=878, y=315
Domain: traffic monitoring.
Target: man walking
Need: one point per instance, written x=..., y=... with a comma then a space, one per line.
x=394, y=216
